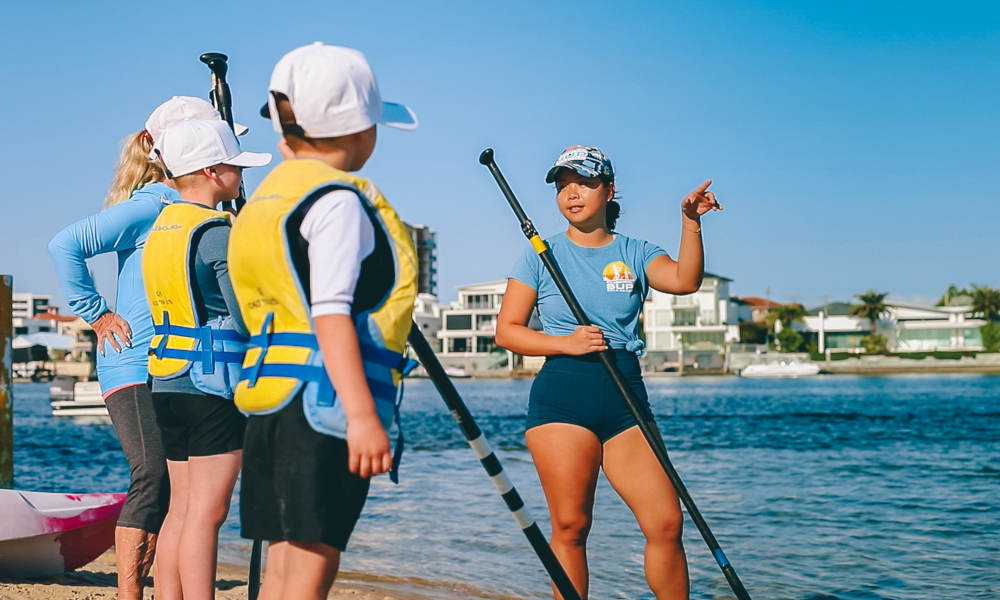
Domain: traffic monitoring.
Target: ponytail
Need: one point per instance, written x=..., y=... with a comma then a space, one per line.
x=611, y=213
x=134, y=168
x=613, y=209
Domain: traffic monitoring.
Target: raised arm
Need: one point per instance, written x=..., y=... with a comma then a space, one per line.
x=114, y=229
x=684, y=275
x=514, y=334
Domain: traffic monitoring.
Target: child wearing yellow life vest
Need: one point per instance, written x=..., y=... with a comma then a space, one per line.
x=196, y=350
x=325, y=275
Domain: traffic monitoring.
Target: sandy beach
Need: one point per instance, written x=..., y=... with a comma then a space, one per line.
x=96, y=581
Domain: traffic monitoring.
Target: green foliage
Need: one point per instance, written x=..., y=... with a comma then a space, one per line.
x=786, y=314
x=937, y=354
x=872, y=307
x=955, y=296
x=752, y=332
x=991, y=337
x=986, y=302
x=875, y=344
x=789, y=340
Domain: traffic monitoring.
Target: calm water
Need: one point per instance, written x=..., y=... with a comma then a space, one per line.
x=817, y=489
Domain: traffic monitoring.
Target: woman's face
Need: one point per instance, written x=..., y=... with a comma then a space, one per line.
x=582, y=200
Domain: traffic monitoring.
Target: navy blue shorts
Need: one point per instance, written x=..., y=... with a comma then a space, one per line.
x=578, y=390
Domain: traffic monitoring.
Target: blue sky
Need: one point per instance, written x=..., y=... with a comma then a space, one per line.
x=853, y=144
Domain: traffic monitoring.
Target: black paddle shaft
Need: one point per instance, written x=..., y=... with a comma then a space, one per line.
x=491, y=463
x=646, y=423
x=222, y=99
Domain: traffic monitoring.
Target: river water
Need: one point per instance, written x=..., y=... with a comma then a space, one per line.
x=833, y=487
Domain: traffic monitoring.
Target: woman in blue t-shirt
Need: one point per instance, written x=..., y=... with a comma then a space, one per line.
x=577, y=420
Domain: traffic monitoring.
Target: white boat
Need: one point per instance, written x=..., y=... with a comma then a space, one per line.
x=455, y=372
x=781, y=369
x=46, y=534
x=86, y=401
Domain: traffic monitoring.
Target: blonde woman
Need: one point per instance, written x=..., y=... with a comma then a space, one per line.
x=134, y=201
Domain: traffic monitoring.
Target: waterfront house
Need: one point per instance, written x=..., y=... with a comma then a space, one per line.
x=907, y=327
x=706, y=319
x=468, y=329
x=427, y=315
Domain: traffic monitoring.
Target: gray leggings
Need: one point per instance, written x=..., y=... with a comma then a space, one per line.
x=132, y=414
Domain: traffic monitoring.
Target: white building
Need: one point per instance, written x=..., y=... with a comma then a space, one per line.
x=427, y=316
x=706, y=319
x=468, y=329
x=907, y=327
x=26, y=306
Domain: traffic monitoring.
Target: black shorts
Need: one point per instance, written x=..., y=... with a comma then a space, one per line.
x=295, y=484
x=579, y=391
x=198, y=424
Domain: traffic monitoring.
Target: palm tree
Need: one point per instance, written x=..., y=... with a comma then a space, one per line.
x=872, y=307
x=986, y=302
x=952, y=294
x=786, y=314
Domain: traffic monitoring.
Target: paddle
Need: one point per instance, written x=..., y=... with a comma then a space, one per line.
x=222, y=99
x=477, y=441
x=646, y=423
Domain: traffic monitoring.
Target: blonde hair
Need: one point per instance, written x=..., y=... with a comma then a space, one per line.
x=134, y=168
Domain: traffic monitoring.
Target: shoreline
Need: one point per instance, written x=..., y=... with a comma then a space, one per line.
x=97, y=581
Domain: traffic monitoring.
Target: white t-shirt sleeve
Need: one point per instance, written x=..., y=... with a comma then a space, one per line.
x=340, y=236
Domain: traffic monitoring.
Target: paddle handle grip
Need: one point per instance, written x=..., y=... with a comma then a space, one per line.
x=222, y=99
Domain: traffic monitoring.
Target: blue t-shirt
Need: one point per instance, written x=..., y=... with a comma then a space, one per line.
x=123, y=229
x=609, y=282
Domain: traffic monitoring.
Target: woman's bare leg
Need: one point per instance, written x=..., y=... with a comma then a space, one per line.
x=638, y=477
x=211, y=480
x=568, y=458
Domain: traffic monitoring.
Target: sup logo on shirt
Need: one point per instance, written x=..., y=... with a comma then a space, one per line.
x=618, y=277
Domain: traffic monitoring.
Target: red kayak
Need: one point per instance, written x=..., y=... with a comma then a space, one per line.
x=47, y=534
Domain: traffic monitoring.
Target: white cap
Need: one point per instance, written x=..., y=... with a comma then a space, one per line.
x=188, y=146
x=333, y=92
x=183, y=108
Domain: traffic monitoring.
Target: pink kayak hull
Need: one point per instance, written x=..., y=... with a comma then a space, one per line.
x=48, y=534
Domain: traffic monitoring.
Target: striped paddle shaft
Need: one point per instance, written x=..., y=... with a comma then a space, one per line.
x=491, y=463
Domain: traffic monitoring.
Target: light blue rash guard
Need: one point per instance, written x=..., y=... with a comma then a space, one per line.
x=609, y=282
x=122, y=228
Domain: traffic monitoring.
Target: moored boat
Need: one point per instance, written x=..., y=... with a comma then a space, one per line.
x=780, y=369
x=46, y=534
x=86, y=400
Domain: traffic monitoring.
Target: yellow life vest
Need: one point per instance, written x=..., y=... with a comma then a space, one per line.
x=181, y=342
x=268, y=265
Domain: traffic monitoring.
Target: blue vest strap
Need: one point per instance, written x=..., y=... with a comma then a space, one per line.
x=204, y=334
x=307, y=373
x=198, y=356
